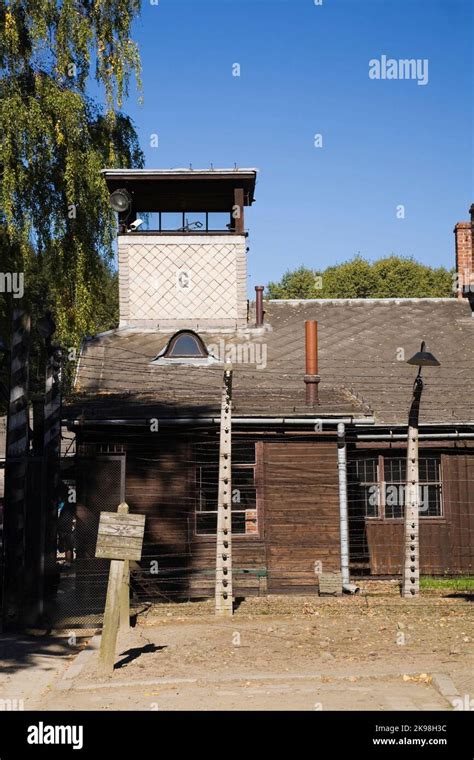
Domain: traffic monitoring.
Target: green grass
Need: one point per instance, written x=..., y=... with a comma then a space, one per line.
x=461, y=583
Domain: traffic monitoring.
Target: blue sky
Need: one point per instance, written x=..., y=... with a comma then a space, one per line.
x=304, y=70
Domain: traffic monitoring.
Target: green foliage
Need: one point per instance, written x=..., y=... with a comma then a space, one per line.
x=409, y=279
x=353, y=279
x=390, y=277
x=300, y=283
x=460, y=583
x=55, y=220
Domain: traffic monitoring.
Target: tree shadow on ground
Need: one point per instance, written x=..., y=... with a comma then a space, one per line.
x=18, y=652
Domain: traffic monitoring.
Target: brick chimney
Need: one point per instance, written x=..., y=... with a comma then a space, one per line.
x=464, y=237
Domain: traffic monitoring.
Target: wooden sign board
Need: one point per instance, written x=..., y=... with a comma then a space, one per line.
x=120, y=536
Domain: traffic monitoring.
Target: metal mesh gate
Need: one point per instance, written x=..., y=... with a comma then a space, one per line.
x=80, y=596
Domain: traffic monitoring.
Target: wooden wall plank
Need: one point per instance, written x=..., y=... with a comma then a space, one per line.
x=301, y=512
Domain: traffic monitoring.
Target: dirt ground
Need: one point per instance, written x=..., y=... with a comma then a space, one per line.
x=373, y=651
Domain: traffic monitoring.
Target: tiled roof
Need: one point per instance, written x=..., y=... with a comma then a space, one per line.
x=363, y=347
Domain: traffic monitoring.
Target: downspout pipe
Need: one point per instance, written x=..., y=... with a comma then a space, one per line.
x=344, y=522
x=343, y=508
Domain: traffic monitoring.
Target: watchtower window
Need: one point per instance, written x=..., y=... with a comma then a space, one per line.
x=186, y=222
x=185, y=345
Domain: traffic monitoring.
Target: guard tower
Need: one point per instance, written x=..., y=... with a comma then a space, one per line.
x=182, y=246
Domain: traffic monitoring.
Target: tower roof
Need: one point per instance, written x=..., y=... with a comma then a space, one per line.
x=183, y=189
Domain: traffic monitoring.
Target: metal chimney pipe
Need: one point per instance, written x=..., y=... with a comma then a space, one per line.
x=311, y=377
x=259, y=305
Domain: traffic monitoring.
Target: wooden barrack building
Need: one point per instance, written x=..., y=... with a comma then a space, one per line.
x=146, y=407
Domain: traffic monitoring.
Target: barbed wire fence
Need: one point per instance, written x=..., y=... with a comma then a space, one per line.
x=170, y=473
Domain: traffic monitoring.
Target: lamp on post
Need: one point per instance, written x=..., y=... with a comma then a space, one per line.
x=411, y=564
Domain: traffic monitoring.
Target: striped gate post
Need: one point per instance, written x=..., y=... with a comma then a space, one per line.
x=51, y=472
x=411, y=530
x=224, y=599
x=16, y=472
x=411, y=525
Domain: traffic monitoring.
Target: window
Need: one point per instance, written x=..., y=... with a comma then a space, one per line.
x=194, y=222
x=185, y=347
x=219, y=220
x=185, y=344
x=378, y=485
x=394, y=486
x=364, y=485
x=170, y=221
x=244, y=491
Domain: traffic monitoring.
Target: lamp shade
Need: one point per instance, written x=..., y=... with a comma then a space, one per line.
x=121, y=200
x=423, y=358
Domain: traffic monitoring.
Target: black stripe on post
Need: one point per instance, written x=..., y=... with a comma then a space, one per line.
x=51, y=477
x=16, y=472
